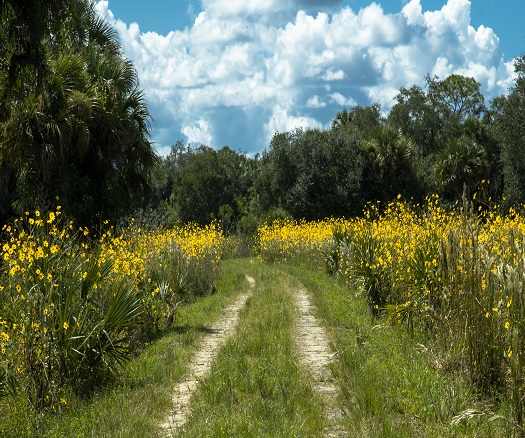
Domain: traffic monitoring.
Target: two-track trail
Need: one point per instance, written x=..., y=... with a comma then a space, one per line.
x=310, y=346
x=201, y=363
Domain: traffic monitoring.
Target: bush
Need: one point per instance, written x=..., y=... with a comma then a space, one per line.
x=64, y=318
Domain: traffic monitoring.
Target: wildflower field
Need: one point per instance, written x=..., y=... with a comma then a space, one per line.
x=75, y=304
x=286, y=239
x=455, y=275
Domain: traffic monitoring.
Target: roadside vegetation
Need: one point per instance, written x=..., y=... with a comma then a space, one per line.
x=76, y=308
x=404, y=369
x=453, y=280
x=392, y=382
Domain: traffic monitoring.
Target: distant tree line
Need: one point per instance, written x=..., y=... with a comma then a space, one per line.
x=440, y=139
x=74, y=130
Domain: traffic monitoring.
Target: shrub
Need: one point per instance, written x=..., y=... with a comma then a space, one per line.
x=64, y=318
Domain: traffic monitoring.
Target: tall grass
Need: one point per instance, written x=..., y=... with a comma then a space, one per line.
x=74, y=307
x=458, y=276
x=139, y=402
x=455, y=275
x=393, y=382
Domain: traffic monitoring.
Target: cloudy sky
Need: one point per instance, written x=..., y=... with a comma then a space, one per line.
x=234, y=72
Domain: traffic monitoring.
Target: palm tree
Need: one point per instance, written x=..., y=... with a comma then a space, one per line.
x=342, y=119
x=27, y=27
x=389, y=149
x=391, y=163
x=83, y=135
x=120, y=153
x=460, y=166
x=364, y=119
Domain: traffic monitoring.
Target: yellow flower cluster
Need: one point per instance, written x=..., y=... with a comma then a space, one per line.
x=429, y=267
x=402, y=243
x=4, y=336
x=132, y=247
x=421, y=251
x=51, y=273
x=283, y=240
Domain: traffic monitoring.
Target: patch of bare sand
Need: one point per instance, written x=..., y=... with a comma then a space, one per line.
x=315, y=356
x=200, y=365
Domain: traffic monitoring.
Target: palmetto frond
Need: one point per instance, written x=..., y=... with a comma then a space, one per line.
x=461, y=163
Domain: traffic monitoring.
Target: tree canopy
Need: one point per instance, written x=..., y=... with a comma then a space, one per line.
x=75, y=130
x=74, y=125
x=441, y=139
x=510, y=123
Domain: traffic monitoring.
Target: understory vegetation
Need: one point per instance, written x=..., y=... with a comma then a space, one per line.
x=436, y=290
x=393, y=382
x=76, y=307
x=453, y=278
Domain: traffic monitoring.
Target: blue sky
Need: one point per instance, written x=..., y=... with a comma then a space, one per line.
x=234, y=72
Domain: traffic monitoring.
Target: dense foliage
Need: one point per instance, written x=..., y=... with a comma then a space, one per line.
x=454, y=276
x=75, y=308
x=440, y=139
x=73, y=122
x=202, y=184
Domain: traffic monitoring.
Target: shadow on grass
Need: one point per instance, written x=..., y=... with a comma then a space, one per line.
x=185, y=328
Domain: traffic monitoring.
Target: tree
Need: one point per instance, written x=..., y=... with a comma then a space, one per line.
x=431, y=118
x=391, y=166
x=27, y=29
x=312, y=174
x=342, y=119
x=207, y=184
x=458, y=95
x=415, y=115
x=510, y=125
x=484, y=133
x=460, y=167
x=83, y=133
x=361, y=119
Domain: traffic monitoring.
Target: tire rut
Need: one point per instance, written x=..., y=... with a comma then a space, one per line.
x=201, y=363
x=315, y=356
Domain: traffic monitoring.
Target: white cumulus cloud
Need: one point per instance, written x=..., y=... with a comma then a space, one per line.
x=198, y=132
x=342, y=101
x=281, y=121
x=315, y=102
x=249, y=68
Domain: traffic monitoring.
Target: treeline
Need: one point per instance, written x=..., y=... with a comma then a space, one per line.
x=75, y=131
x=441, y=139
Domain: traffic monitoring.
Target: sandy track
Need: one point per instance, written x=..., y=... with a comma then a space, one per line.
x=200, y=365
x=315, y=356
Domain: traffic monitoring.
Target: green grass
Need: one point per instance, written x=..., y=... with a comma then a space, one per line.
x=136, y=404
x=392, y=383
x=255, y=388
